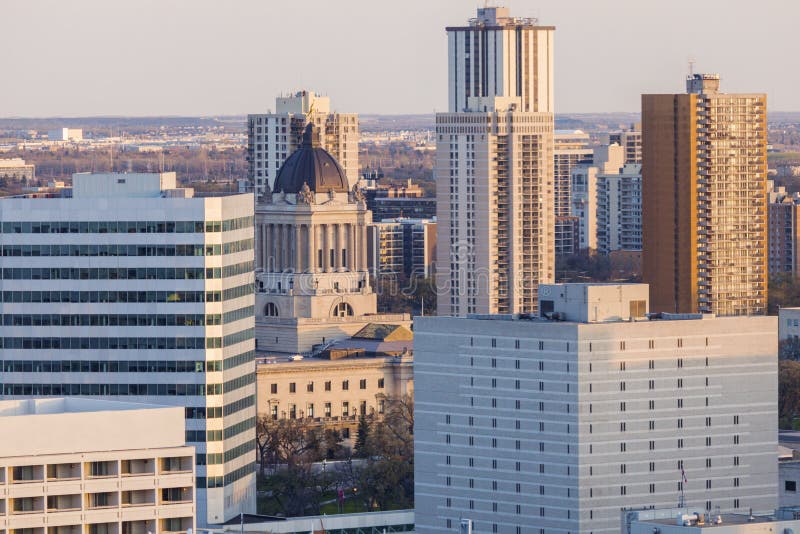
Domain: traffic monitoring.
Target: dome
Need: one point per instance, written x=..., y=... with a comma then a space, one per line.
x=313, y=165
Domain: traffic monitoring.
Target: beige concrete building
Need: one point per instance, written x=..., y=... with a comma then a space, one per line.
x=704, y=205
x=353, y=377
x=15, y=169
x=494, y=166
x=79, y=466
x=272, y=137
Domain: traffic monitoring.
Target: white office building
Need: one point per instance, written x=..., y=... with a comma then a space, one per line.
x=494, y=166
x=526, y=424
x=81, y=466
x=272, y=137
x=134, y=289
x=619, y=209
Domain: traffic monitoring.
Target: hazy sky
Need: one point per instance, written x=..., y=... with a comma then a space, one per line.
x=204, y=57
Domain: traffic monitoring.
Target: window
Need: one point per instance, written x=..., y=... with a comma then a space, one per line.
x=310, y=387
x=328, y=385
x=292, y=387
x=345, y=409
x=362, y=384
x=345, y=385
x=789, y=485
x=380, y=383
x=273, y=388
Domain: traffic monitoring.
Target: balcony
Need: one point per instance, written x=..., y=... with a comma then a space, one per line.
x=138, y=498
x=57, y=472
x=24, y=474
x=139, y=527
x=176, y=495
x=108, y=469
x=99, y=501
x=26, y=505
x=173, y=465
x=63, y=503
x=175, y=525
x=138, y=467
x=102, y=528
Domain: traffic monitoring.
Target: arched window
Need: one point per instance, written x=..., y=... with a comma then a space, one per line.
x=271, y=310
x=342, y=309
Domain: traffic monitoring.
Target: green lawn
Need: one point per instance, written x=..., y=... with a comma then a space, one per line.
x=351, y=506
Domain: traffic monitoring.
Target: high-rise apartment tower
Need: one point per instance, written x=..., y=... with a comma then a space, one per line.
x=704, y=205
x=494, y=166
x=272, y=137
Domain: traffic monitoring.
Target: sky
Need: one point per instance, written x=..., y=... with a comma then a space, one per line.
x=213, y=57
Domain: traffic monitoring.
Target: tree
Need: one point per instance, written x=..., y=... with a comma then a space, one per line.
x=288, y=441
x=386, y=480
x=360, y=448
x=788, y=392
x=789, y=349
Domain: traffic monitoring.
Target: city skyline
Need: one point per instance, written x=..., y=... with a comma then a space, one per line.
x=204, y=61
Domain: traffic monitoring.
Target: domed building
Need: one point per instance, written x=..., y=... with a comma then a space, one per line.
x=312, y=281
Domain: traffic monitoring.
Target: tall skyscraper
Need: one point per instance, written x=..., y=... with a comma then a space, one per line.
x=704, y=206
x=619, y=209
x=494, y=166
x=536, y=425
x=272, y=137
x=133, y=288
x=784, y=231
x=571, y=149
x=630, y=140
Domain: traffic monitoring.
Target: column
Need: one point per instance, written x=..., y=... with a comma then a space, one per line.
x=353, y=248
x=271, y=262
x=259, y=230
x=312, y=247
x=298, y=249
x=325, y=242
x=339, y=246
x=286, y=261
x=363, y=244
x=331, y=245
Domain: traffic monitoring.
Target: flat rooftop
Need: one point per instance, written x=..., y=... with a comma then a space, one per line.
x=63, y=405
x=654, y=317
x=727, y=520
